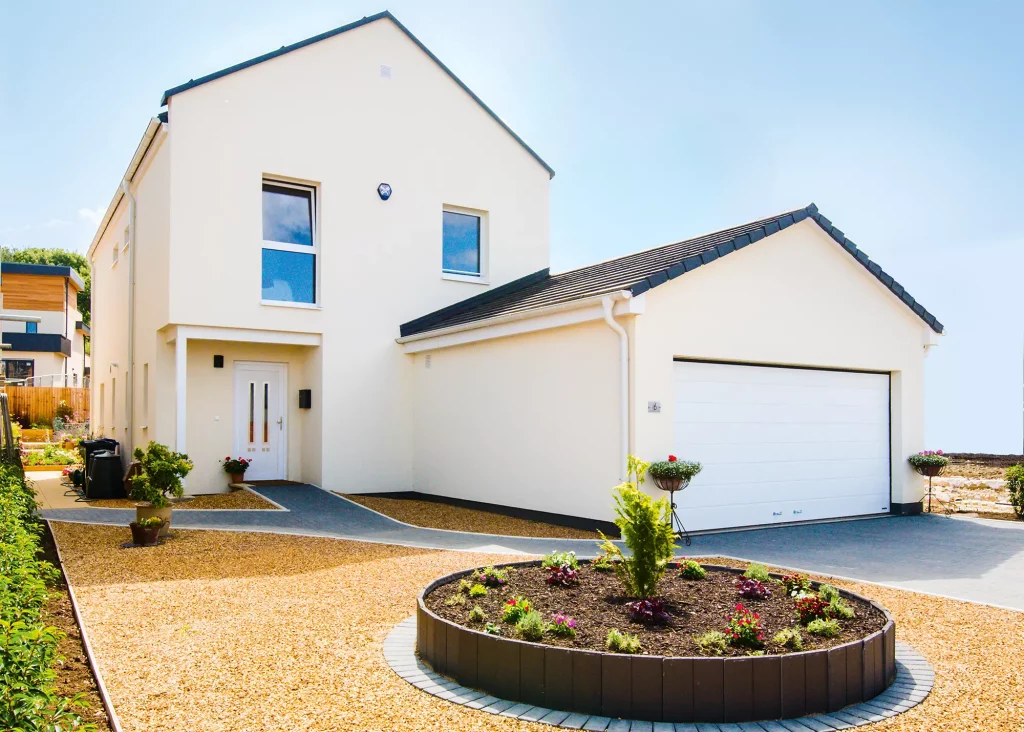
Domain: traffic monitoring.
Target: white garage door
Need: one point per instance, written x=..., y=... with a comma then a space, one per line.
x=780, y=444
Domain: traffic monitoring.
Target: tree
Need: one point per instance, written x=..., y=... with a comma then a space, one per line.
x=61, y=258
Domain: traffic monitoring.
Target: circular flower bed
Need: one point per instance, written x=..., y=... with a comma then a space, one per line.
x=722, y=647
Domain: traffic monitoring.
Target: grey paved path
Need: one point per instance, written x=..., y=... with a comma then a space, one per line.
x=976, y=560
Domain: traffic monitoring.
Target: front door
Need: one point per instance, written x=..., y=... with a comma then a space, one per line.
x=260, y=428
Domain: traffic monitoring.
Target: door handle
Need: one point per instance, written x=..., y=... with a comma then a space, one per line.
x=280, y=423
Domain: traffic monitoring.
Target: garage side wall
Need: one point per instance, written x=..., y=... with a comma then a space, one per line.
x=797, y=299
x=529, y=421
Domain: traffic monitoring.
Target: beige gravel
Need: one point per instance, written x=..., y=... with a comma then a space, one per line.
x=223, y=631
x=234, y=499
x=434, y=515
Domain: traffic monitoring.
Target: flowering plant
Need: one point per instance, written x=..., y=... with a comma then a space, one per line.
x=929, y=459
x=809, y=607
x=564, y=576
x=795, y=584
x=753, y=589
x=563, y=625
x=560, y=559
x=674, y=468
x=491, y=577
x=691, y=570
x=745, y=628
x=515, y=609
x=234, y=466
x=650, y=610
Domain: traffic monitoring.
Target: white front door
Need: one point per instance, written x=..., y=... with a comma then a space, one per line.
x=260, y=428
x=780, y=444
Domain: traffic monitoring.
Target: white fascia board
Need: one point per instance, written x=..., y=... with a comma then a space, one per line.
x=247, y=335
x=557, y=316
x=20, y=318
x=145, y=143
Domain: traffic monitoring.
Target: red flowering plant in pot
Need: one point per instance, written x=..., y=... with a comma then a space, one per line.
x=235, y=468
x=673, y=474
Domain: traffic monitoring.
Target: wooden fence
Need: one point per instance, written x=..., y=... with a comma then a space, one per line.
x=39, y=403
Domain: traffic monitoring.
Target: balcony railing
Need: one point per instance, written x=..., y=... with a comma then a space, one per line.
x=37, y=342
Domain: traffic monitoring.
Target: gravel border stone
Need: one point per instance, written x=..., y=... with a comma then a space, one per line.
x=914, y=679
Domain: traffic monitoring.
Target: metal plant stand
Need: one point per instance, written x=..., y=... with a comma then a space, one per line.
x=672, y=485
x=930, y=472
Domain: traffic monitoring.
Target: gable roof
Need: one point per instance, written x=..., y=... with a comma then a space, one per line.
x=637, y=273
x=193, y=83
x=50, y=270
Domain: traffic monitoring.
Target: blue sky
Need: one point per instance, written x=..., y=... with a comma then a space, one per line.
x=900, y=120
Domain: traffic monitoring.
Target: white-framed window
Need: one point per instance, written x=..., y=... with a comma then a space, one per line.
x=124, y=242
x=116, y=249
x=290, y=244
x=464, y=244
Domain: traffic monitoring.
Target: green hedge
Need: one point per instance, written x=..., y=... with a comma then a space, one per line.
x=28, y=647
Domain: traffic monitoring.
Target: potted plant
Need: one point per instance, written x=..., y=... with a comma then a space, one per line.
x=673, y=474
x=146, y=531
x=160, y=474
x=235, y=468
x=929, y=462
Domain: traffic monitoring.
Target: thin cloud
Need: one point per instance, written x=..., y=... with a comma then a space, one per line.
x=92, y=215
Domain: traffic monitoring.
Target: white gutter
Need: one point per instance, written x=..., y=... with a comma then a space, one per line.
x=608, y=304
x=140, y=152
x=130, y=397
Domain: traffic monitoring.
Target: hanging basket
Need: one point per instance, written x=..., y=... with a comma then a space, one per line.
x=930, y=471
x=671, y=484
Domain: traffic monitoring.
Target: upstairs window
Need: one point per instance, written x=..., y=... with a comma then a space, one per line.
x=289, y=243
x=31, y=327
x=462, y=250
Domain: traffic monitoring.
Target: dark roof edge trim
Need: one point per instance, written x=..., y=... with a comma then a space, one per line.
x=778, y=224
x=426, y=323
x=192, y=83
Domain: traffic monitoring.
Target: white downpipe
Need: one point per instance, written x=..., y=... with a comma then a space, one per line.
x=608, y=305
x=130, y=397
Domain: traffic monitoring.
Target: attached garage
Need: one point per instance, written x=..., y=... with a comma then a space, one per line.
x=776, y=353
x=781, y=444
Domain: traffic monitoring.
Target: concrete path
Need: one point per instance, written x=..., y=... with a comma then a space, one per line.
x=970, y=559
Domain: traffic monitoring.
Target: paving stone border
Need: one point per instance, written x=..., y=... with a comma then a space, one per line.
x=914, y=680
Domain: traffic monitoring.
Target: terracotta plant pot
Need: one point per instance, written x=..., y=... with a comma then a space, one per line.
x=145, y=535
x=236, y=477
x=144, y=510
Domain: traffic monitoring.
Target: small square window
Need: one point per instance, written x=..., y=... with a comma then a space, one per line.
x=31, y=327
x=116, y=250
x=461, y=248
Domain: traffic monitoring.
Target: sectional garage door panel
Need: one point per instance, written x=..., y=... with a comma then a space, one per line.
x=780, y=444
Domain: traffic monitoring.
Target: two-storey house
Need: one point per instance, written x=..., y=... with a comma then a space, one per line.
x=333, y=260
x=46, y=336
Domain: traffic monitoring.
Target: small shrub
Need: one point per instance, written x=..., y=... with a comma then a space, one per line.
x=477, y=615
x=456, y=599
x=516, y=608
x=161, y=471
x=646, y=531
x=649, y=611
x=753, y=589
x=560, y=559
x=564, y=576
x=691, y=570
x=795, y=584
x=531, y=626
x=839, y=609
x=757, y=571
x=603, y=563
x=1015, y=484
x=712, y=643
x=827, y=627
x=789, y=638
x=810, y=607
x=563, y=625
x=478, y=591
x=828, y=593
x=491, y=577
x=465, y=585
x=617, y=642
x=745, y=628
x=492, y=629
x=755, y=653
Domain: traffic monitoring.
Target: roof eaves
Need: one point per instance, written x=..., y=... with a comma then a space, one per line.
x=192, y=83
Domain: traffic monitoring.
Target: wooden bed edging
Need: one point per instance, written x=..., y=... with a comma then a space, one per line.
x=656, y=688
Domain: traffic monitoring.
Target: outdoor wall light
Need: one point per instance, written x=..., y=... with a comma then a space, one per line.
x=305, y=398
x=384, y=191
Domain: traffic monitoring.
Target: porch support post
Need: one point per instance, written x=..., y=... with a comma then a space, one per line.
x=180, y=382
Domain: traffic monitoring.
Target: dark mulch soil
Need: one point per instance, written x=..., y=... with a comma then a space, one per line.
x=598, y=605
x=73, y=675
